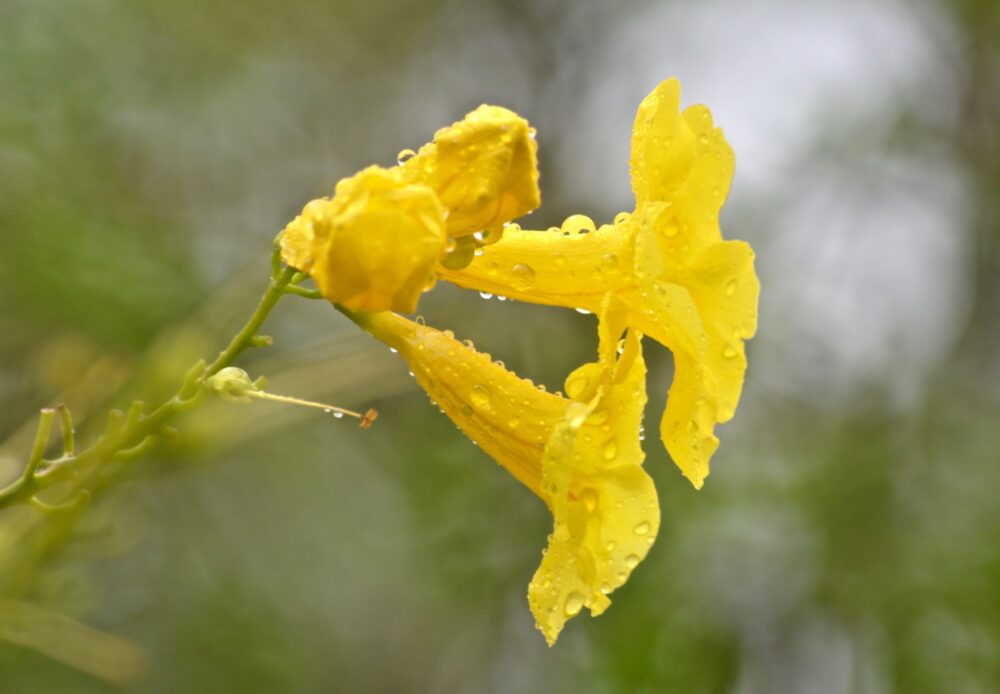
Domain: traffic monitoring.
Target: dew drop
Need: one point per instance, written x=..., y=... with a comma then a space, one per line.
x=513, y=422
x=583, y=311
x=609, y=261
x=338, y=415
x=523, y=277
x=578, y=224
x=485, y=295
x=404, y=156
x=574, y=603
x=670, y=230
x=730, y=287
x=610, y=451
x=622, y=217
x=327, y=410
x=589, y=497
x=419, y=320
x=729, y=352
x=480, y=397
x=606, y=588
x=642, y=529
x=632, y=561
x=610, y=546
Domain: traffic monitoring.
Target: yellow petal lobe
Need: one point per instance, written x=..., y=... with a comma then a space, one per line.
x=663, y=145
x=606, y=512
x=483, y=168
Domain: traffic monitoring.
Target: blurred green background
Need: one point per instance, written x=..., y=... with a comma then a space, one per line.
x=848, y=539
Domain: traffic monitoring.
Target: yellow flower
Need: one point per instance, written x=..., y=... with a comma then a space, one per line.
x=483, y=168
x=372, y=247
x=580, y=454
x=667, y=263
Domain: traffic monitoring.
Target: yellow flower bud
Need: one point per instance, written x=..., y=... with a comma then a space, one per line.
x=374, y=245
x=484, y=169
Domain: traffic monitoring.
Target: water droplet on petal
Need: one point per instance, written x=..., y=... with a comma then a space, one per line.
x=729, y=352
x=523, y=277
x=578, y=224
x=632, y=561
x=642, y=529
x=480, y=397
x=404, y=156
x=622, y=217
x=419, y=320
x=610, y=546
x=327, y=410
x=610, y=451
x=610, y=261
x=583, y=311
x=730, y=287
x=485, y=295
x=574, y=603
x=338, y=414
x=589, y=497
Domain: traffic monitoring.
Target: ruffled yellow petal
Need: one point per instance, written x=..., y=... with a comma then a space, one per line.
x=663, y=145
x=605, y=508
x=580, y=454
x=373, y=247
x=483, y=168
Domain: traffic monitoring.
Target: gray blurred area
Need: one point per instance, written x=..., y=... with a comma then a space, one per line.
x=848, y=539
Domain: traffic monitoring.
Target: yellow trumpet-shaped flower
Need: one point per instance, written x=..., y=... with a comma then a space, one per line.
x=666, y=263
x=375, y=244
x=580, y=454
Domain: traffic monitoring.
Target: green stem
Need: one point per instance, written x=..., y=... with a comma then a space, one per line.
x=134, y=433
x=244, y=338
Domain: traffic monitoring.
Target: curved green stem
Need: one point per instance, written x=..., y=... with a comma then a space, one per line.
x=129, y=435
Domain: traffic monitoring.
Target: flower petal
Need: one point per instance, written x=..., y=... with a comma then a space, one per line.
x=606, y=513
x=663, y=144
x=484, y=169
x=723, y=284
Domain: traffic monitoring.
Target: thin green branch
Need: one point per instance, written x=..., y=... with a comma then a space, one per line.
x=130, y=435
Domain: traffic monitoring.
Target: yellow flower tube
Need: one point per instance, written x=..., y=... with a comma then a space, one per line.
x=666, y=262
x=580, y=454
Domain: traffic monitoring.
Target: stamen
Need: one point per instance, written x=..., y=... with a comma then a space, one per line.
x=366, y=419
